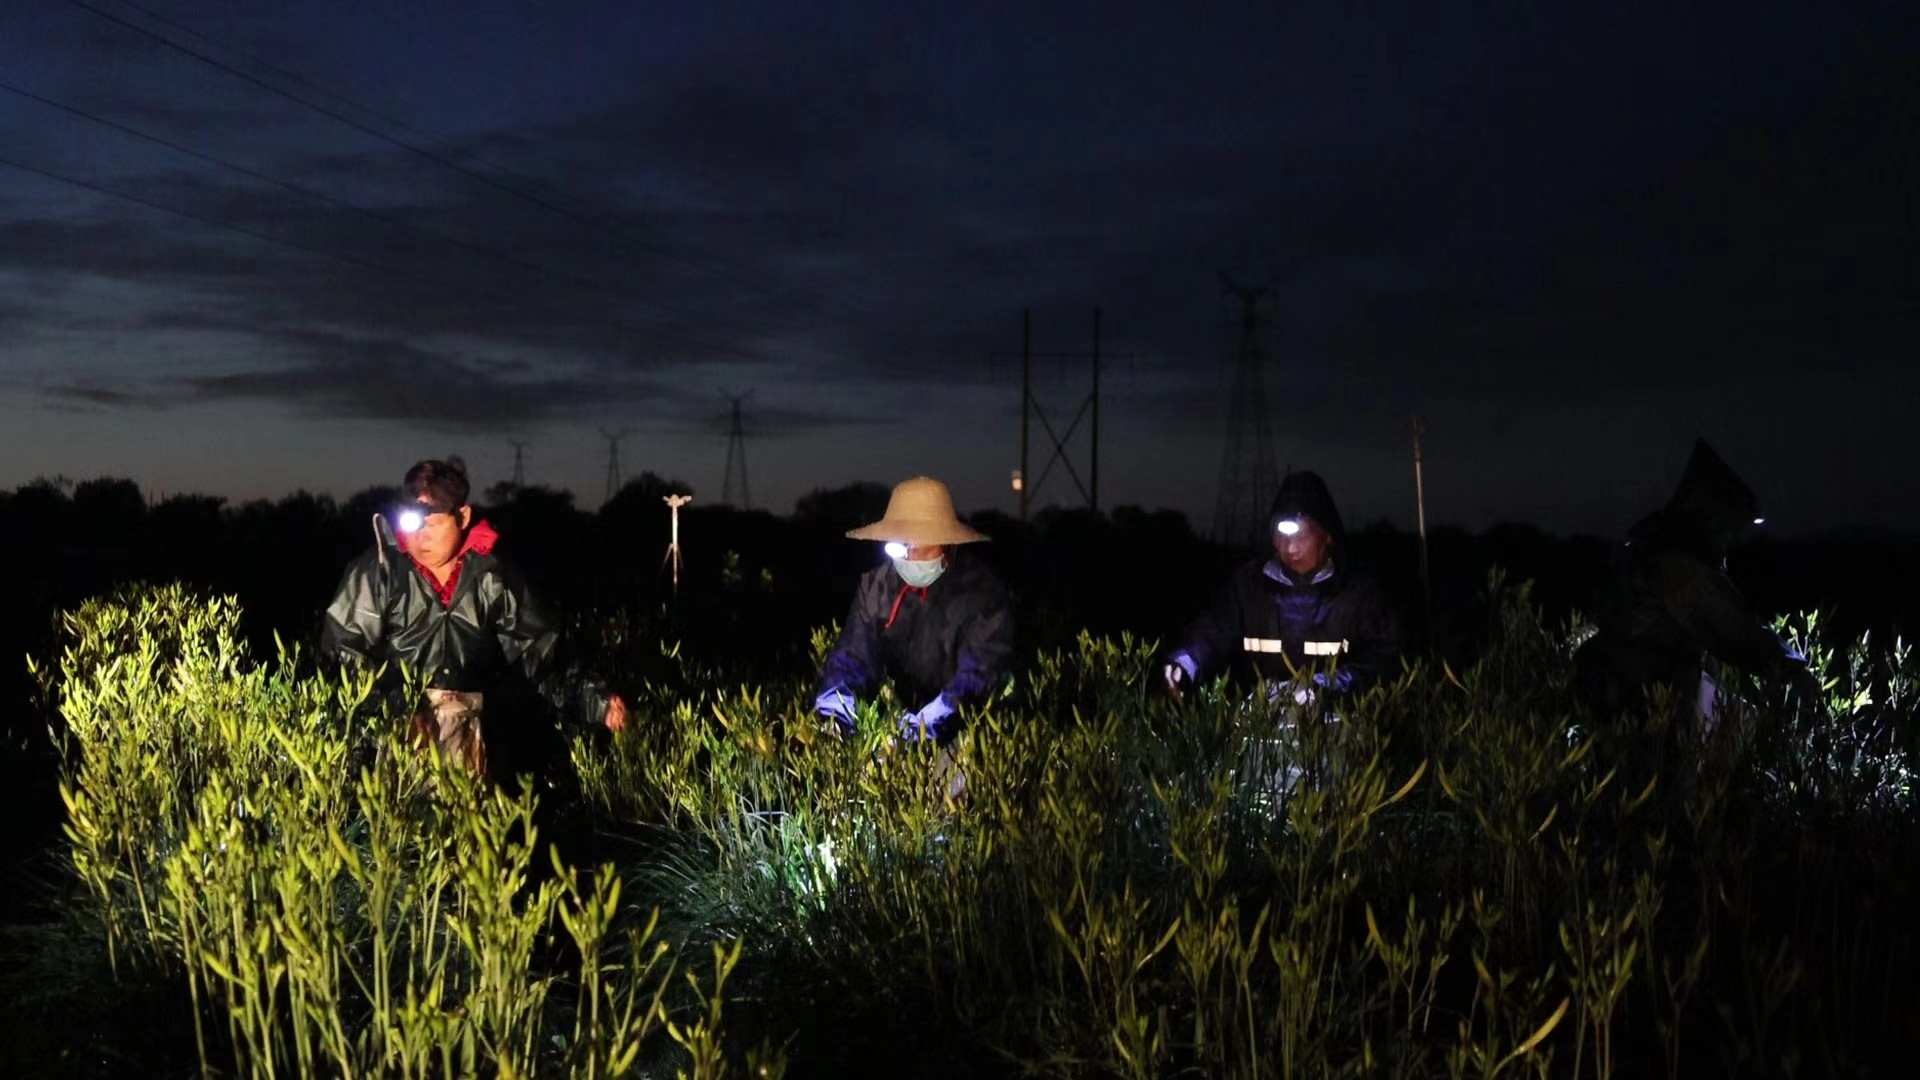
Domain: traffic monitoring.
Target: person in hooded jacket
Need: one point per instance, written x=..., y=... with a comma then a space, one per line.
x=935, y=621
x=1665, y=602
x=1304, y=609
x=433, y=596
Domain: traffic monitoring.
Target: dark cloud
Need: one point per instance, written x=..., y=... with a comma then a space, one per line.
x=15, y=317
x=196, y=118
x=1489, y=212
x=772, y=420
x=242, y=285
x=335, y=375
x=54, y=249
x=394, y=380
x=92, y=398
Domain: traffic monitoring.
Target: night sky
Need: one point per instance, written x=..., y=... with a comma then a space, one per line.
x=1572, y=236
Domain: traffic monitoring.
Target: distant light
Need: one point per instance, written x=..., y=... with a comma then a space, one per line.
x=1019, y=481
x=411, y=520
x=1287, y=528
x=896, y=549
x=1759, y=521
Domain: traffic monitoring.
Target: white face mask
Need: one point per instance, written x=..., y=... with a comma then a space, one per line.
x=920, y=573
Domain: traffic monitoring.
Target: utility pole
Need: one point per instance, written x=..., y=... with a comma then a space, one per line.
x=1420, y=503
x=674, y=503
x=613, y=459
x=1247, y=478
x=736, y=455
x=1024, y=482
x=1026, y=405
x=1093, y=484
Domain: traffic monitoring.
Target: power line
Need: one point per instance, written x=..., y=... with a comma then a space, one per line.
x=261, y=62
x=412, y=148
x=348, y=260
x=368, y=212
x=336, y=115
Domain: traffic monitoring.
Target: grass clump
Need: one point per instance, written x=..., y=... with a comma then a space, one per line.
x=337, y=901
x=1456, y=874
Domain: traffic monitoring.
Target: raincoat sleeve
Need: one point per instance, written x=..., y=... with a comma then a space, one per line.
x=1720, y=619
x=1208, y=645
x=353, y=629
x=854, y=664
x=529, y=638
x=524, y=627
x=985, y=648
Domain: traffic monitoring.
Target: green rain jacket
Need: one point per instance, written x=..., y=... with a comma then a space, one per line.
x=483, y=631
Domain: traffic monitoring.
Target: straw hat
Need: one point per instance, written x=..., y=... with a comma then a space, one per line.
x=920, y=511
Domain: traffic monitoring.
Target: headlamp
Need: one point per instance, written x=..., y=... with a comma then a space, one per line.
x=412, y=517
x=1287, y=527
x=1759, y=521
x=897, y=550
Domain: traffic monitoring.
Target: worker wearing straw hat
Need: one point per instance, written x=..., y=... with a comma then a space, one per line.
x=935, y=621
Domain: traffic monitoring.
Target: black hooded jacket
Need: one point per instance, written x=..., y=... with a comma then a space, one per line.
x=492, y=636
x=1665, y=600
x=1266, y=618
x=953, y=638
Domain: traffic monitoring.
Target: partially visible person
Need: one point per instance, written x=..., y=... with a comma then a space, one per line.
x=432, y=596
x=932, y=619
x=1304, y=608
x=1665, y=602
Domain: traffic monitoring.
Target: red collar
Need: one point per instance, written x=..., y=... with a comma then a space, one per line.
x=480, y=541
x=904, y=590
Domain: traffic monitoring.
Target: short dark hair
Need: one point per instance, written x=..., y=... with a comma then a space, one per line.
x=442, y=481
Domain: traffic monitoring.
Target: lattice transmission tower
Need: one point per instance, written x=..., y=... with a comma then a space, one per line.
x=736, y=475
x=519, y=463
x=613, y=459
x=1247, y=475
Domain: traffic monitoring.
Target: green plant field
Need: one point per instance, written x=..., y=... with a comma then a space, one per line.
x=1460, y=874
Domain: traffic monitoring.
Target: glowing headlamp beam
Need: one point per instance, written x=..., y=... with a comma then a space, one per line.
x=1287, y=528
x=411, y=520
x=896, y=549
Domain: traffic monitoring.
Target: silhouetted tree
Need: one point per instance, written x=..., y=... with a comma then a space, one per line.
x=842, y=508
x=640, y=506
x=362, y=505
x=108, y=503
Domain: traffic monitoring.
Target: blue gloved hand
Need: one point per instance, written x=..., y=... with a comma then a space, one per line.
x=836, y=706
x=1339, y=682
x=929, y=723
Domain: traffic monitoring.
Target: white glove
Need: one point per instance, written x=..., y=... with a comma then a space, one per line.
x=1178, y=673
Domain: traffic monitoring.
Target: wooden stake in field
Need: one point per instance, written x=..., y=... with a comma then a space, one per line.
x=1420, y=503
x=674, y=503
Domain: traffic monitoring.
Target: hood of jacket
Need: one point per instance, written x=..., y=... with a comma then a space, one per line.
x=1304, y=493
